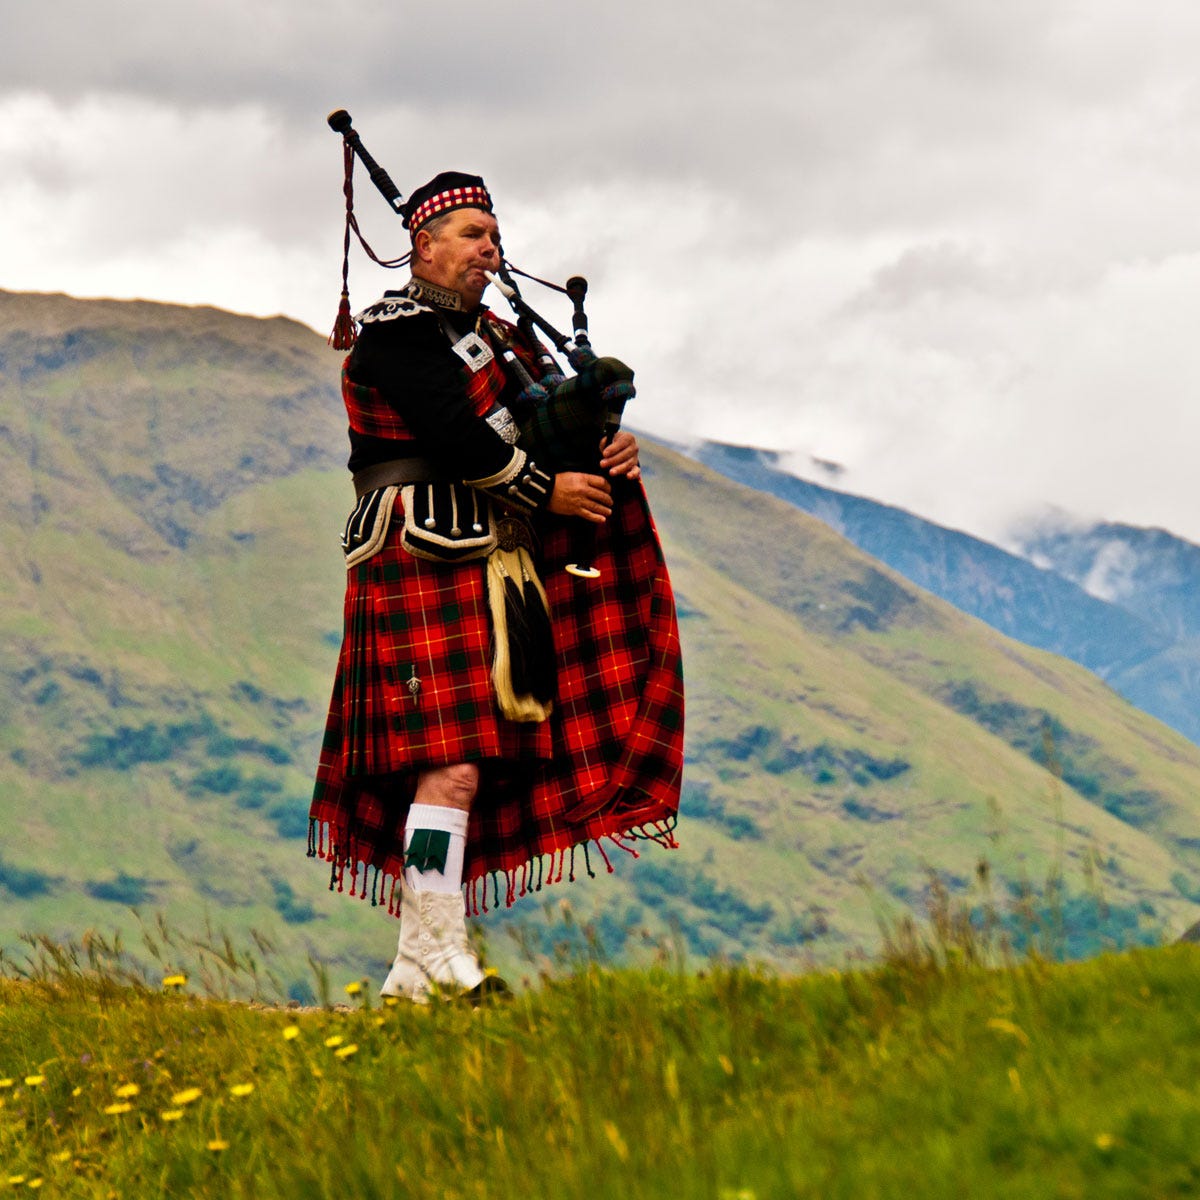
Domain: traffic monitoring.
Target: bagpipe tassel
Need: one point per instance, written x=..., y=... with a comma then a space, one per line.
x=344, y=335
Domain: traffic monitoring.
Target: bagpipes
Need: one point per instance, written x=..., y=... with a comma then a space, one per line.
x=562, y=418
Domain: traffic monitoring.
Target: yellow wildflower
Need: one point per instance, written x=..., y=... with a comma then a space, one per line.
x=379, y=1022
x=77, y=1091
x=16, y=1180
x=391, y=1001
x=61, y=1156
x=34, y=1080
x=218, y=1144
x=171, y=1114
x=353, y=989
x=175, y=981
x=241, y=1089
x=126, y=1090
x=291, y=1031
x=334, y=1040
x=185, y=1097
x=318, y=1073
x=346, y=1051
x=7, y=1083
x=115, y=1110
x=36, y=1182
x=1105, y=1141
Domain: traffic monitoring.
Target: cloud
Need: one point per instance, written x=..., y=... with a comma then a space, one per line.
x=949, y=247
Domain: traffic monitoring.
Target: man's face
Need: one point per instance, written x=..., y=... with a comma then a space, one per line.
x=459, y=253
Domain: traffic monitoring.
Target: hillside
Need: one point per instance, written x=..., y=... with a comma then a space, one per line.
x=171, y=617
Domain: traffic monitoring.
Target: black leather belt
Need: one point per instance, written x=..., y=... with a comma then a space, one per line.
x=395, y=471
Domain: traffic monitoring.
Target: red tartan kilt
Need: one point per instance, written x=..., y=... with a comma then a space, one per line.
x=406, y=617
x=606, y=765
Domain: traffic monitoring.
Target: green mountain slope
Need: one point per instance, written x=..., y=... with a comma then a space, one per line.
x=171, y=612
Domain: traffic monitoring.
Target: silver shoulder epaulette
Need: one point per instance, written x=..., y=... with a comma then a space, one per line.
x=390, y=308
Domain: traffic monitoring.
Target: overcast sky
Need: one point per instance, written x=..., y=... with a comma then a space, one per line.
x=951, y=246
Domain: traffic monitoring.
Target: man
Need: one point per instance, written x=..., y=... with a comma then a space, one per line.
x=465, y=740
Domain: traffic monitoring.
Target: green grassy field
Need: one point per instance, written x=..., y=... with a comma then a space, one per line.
x=927, y=1077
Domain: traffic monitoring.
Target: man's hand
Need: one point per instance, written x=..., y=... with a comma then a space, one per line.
x=620, y=456
x=578, y=495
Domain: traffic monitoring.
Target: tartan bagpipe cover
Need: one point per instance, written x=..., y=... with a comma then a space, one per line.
x=605, y=768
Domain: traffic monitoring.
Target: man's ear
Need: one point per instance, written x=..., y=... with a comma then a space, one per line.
x=420, y=250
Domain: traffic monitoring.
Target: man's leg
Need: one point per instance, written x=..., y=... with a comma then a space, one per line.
x=433, y=948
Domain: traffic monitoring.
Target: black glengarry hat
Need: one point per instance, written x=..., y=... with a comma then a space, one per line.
x=442, y=194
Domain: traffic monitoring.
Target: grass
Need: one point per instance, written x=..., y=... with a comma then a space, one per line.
x=931, y=1076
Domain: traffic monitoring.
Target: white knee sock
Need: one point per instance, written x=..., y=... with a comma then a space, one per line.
x=434, y=829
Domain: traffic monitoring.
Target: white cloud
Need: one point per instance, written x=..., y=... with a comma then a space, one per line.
x=949, y=246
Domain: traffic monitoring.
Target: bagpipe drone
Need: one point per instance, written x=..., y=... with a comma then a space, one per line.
x=562, y=417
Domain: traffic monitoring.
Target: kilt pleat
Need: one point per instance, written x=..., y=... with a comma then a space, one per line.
x=606, y=766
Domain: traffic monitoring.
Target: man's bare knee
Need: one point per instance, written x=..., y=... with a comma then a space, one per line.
x=448, y=787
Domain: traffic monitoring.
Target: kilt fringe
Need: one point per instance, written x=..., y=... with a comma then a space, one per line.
x=343, y=857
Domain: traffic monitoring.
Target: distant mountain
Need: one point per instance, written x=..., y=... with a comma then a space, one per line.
x=1120, y=601
x=1146, y=571
x=171, y=590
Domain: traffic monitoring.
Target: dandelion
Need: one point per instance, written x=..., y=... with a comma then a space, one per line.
x=115, y=1110
x=241, y=1089
x=34, y=1080
x=290, y=1032
x=1105, y=1141
x=77, y=1092
x=346, y=1051
x=7, y=1083
x=334, y=1040
x=61, y=1157
x=16, y=1180
x=187, y=1096
x=126, y=1090
x=174, y=981
x=353, y=988
x=391, y=1001
x=217, y=1144
x=171, y=1114
x=36, y=1182
x=379, y=1022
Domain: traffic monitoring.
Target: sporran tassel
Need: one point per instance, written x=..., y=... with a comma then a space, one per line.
x=523, y=663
